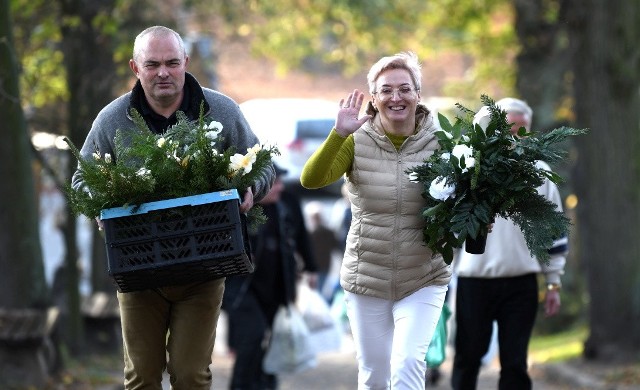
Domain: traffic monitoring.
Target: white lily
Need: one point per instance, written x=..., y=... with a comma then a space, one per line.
x=465, y=152
x=482, y=118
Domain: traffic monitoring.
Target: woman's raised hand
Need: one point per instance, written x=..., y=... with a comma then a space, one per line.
x=347, y=121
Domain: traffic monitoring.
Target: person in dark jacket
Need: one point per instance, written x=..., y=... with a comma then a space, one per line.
x=325, y=244
x=251, y=301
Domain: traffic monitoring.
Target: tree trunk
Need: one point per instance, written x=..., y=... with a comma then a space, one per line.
x=22, y=275
x=606, y=63
x=22, y=282
x=88, y=58
x=543, y=60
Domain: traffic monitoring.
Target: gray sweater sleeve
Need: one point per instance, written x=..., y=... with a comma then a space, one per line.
x=237, y=132
x=103, y=131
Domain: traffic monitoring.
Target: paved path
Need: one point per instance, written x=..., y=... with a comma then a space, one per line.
x=338, y=371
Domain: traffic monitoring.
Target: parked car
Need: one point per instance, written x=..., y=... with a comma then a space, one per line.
x=296, y=126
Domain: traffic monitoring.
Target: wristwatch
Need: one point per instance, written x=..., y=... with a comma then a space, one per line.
x=553, y=287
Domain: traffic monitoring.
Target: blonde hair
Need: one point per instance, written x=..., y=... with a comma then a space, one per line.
x=407, y=60
x=156, y=31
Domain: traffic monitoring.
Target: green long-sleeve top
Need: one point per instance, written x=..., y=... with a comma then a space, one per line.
x=326, y=165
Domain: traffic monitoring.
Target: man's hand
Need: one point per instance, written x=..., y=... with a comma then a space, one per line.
x=551, y=303
x=247, y=202
x=312, y=279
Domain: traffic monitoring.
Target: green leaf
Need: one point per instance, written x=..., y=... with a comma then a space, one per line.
x=478, y=134
x=433, y=210
x=457, y=130
x=447, y=254
x=522, y=132
x=444, y=123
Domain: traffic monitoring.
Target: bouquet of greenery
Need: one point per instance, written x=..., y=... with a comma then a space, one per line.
x=481, y=171
x=181, y=162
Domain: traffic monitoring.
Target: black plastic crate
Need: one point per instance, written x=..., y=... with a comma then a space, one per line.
x=177, y=241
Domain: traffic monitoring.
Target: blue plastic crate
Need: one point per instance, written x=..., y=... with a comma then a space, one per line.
x=176, y=241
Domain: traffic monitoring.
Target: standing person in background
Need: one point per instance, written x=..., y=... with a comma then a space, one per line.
x=394, y=285
x=501, y=284
x=344, y=216
x=325, y=243
x=172, y=327
x=251, y=301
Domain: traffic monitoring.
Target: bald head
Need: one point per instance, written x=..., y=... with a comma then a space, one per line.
x=155, y=32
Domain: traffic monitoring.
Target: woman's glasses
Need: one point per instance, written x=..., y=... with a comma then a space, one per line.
x=404, y=91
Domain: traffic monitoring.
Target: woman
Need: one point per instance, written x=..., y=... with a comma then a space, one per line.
x=394, y=286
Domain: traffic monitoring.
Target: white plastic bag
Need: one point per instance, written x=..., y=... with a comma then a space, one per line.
x=325, y=334
x=290, y=349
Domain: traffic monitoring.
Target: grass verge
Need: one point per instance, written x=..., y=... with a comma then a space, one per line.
x=558, y=346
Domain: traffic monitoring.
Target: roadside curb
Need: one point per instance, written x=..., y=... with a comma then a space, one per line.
x=564, y=373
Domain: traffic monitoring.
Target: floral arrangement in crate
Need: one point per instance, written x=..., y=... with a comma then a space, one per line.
x=183, y=161
x=481, y=171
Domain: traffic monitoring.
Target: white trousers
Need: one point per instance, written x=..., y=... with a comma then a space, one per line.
x=392, y=337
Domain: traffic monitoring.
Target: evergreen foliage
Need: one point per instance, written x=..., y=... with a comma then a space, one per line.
x=147, y=167
x=480, y=173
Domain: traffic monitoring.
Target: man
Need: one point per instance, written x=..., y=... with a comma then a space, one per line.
x=178, y=320
x=251, y=301
x=501, y=284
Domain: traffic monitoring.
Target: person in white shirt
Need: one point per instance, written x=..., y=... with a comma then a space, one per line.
x=501, y=285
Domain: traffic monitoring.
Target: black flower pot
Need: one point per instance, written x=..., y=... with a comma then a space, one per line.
x=476, y=245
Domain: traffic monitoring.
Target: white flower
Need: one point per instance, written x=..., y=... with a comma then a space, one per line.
x=255, y=149
x=212, y=134
x=161, y=141
x=143, y=172
x=107, y=158
x=482, y=118
x=216, y=126
x=96, y=155
x=413, y=177
x=445, y=156
x=239, y=161
x=440, y=190
x=465, y=152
